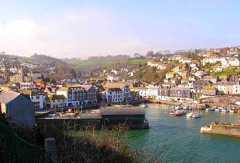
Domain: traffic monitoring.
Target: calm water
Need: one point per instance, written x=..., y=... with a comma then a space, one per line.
x=176, y=139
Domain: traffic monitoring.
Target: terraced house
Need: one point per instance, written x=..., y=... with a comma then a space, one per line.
x=79, y=96
x=117, y=93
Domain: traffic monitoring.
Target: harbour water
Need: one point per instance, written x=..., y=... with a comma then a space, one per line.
x=178, y=140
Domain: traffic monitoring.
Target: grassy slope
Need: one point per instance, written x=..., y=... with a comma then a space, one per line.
x=79, y=64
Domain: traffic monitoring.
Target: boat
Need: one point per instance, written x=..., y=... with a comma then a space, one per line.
x=231, y=111
x=180, y=113
x=224, y=110
x=217, y=110
x=196, y=115
x=207, y=110
x=189, y=115
x=144, y=105
x=193, y=115
x=172, y=112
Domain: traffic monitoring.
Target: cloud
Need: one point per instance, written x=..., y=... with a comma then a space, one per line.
x=74, y=33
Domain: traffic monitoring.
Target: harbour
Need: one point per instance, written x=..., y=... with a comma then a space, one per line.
x=178, y=139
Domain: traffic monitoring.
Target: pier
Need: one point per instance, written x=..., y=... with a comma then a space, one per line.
x=133, y=118
x=226, y=129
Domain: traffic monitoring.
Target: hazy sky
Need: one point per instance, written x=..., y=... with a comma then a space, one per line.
x=75, y=28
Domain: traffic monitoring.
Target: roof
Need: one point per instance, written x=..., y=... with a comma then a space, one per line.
x=8, y=96
x=57, y=97
x=114, y=89
x=115, y=85
x=126, y=111
x=86, y=87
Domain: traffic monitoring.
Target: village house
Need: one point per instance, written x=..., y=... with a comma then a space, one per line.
x=80, y=96
x=229, y=88
x=117, y=93
x=157, y=65
x=181, y=92
x=209, y=90
x=38, y=98
x=26, y=85
x=57, y=102
x=149, y=92
x=17, y=108
x=112, y=78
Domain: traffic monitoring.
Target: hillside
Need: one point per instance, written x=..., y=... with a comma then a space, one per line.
x=55, y=68
x=100, y=62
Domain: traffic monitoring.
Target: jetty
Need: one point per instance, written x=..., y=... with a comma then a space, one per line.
x=133, y=118
x=227, y=129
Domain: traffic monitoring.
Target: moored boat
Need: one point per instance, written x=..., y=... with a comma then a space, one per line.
x=180, y=113
x=231, y=111
x=193, y=115
x=144, y=105
x=189, y=115
x=196, y=115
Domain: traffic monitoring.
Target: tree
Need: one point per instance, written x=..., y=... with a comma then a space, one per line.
x=150, y=54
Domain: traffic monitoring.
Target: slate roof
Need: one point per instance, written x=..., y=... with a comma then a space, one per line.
x=8, y=96
x=126, y=111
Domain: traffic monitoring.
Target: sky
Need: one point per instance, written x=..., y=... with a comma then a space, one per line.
x=79, y=29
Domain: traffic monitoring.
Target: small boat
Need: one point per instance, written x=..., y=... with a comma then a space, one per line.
x=224, y=110
x=196, y=115
x=143, y=105
x=211, y=109
x=207, y=110
x=189, y=115
x=231, y=111
x=172, y=113
x=217, y=110
x=180, y=113
x=193, y=115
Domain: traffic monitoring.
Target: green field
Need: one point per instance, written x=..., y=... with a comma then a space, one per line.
x=79, y=64
x=232, y=71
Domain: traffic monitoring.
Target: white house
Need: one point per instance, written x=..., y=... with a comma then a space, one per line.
x=229, y=87
x=158, y=65
x=151, y=92
x=118, y=95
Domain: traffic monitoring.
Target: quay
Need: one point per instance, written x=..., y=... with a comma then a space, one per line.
x=226, y=129
x=188, y=104
x=132, y=118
